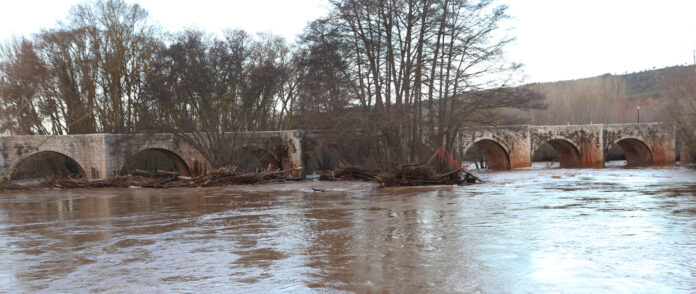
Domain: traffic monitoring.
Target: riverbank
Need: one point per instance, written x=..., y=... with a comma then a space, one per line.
x=159, y=180
x=406, y=175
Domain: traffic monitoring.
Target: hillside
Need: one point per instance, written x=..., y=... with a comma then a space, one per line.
x=647, y=84
x=608, y=98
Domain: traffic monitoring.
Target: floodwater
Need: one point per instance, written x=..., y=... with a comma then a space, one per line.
x=525, y=231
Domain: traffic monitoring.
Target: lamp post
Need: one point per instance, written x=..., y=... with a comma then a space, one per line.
x=638, y=108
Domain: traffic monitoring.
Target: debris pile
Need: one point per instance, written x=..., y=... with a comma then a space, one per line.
x=115, y=182
x=348, y=173
x=425, y=175
x=12, y=187
x=405, y=175
x=159, y=179
x=224, y=177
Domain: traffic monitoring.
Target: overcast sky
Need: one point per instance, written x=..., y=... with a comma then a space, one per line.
x=556, y=39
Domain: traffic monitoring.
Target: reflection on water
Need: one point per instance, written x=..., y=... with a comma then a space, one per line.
x=568, y=230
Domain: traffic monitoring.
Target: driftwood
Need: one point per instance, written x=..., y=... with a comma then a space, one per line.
x=220, y=177
x=157, y=173
x=348, y=173
x=405, y=175
x=115, y=182
x=424, y=175
x=12, y=187
x=223, y=177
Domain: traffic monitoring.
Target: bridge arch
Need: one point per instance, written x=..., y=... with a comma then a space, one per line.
x=568, y=152
x=48, y=160
x=260, y=158
x=324, y=156
x=496, y=154
x=178, y=162
x=636, y=150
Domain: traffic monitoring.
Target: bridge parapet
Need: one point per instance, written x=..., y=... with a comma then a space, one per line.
x=277, y=149
x=104, y=155
x=505, y=147
x=85, y=150
x=577, y=145
x=643, y=143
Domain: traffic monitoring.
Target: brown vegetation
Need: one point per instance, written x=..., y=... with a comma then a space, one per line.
x=682, y=108
x=664, y=95
x=402, y=76
x=417, y=72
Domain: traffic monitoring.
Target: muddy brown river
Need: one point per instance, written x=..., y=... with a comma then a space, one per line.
x=526, y=231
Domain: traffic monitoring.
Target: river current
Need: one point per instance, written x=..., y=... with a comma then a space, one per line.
x=606, y=230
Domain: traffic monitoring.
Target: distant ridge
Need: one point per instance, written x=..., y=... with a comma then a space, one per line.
x=647, y=84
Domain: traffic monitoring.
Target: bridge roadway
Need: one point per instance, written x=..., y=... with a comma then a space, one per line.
x=505, y=147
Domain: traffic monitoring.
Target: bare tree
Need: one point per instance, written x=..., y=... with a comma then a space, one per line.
x=207, y=90
x=118, y=42
x=83, y=76
x=23, y=108
x=419, y=69
x=681, y=107
x=403, y=75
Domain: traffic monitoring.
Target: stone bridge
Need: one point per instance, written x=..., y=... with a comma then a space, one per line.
x=99, y=156
x=103, y=155
x=577, y=145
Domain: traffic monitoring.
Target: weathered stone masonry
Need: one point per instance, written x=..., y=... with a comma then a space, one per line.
x=507, y=147
x=578, y=145
x=104, y=155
